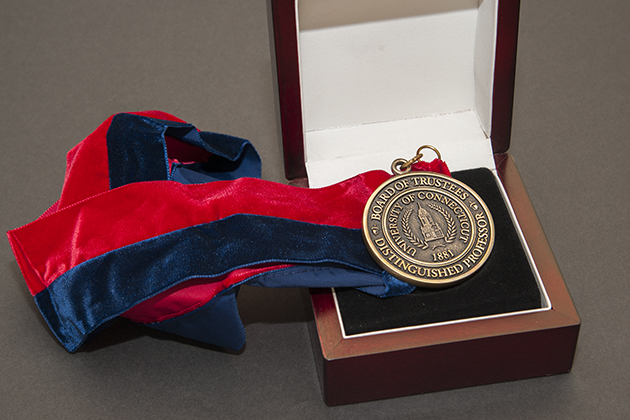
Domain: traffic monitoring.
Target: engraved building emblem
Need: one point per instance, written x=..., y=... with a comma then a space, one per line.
x=430, y=230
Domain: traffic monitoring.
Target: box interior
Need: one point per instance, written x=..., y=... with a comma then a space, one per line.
x=506, y=284
x=379, y=79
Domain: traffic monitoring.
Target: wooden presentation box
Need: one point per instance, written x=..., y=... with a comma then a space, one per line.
x=363, y=82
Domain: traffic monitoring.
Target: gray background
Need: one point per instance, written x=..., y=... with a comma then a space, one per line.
x=65, y=66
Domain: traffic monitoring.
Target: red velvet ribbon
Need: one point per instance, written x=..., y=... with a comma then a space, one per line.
x=90, y=219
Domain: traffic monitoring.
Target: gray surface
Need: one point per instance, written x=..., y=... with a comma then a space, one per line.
x=67, y=65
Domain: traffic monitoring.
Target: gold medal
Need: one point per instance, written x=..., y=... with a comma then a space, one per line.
x=425, y=228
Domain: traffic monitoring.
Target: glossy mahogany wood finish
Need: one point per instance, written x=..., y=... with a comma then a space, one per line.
x=285, y=40
x=504, y=74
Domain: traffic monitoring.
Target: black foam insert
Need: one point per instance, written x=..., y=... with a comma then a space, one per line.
x=504, y=284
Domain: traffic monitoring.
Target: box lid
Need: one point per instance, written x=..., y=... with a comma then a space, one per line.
x=356, y=79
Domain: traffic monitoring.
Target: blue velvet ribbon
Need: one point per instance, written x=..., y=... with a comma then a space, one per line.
x=120, y=279
x=327, y=256
x=136, y=149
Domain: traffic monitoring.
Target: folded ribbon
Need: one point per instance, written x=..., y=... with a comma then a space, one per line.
x=161, y=223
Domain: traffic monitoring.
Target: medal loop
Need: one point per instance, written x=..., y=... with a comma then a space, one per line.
x=401, y=166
